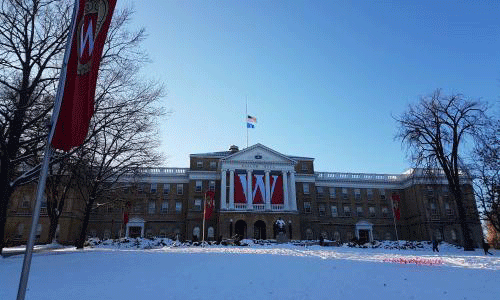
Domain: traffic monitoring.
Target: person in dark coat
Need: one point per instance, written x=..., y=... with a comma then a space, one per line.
x=435, y=246
x=486, y=247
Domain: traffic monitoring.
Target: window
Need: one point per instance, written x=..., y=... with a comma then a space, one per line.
x=309, y=234
x=319, y=190
x=213, y=165
x=369, y=193
x=26, y=202
x=153, y=188
x=178, y=207
x=137, y=208
x=332, y=193
x=357, y=194
x=322, y=209
x=197, y=204
x=199, y=164
x=152, y=207
x=307, y=207
x=453, y=235
x=382, y=194
x=336, y=236
x=434, y=210
x=359, y=211
x=164, y=207
x=180, y=189
x=385, y=212
x=199, y=185
x=344, y=193
x=305, y=168
x=335, y=213
x=43, y=207
x=305, y=186
x=448, y=209
x=38, y=231
x=347, y=211
x=140, y=188
x=350, y=236
x=107, y=234
x=166, y=188
x=20, y=230
x=211, y=185
x=371, y=210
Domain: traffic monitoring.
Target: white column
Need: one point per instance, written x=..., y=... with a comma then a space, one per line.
x=231, y=189
x=223, y=190
x=285, y=190
x=249, y=190
x=293, y=194
x=268, y=191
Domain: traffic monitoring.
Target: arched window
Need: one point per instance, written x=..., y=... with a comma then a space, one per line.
x=309, y=234
x=196, y=232
x=210, y=232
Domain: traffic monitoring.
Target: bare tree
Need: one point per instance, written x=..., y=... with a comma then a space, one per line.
x=435, y=131
x=486, y=170
x=32, y=39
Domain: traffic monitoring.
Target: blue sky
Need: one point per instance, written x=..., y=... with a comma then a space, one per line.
x=323, y=78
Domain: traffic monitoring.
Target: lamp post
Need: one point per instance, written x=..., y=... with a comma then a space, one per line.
x=230, y=228
x=290, y=228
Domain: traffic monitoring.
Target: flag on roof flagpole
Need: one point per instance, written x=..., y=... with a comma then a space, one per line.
x=74, y=103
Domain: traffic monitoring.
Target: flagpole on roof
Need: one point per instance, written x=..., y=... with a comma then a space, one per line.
x=246, y=115
x=23, y=281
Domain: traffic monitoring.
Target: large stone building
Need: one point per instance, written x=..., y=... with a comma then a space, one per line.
x=257, y=189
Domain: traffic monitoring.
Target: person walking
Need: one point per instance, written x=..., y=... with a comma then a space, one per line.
x=486, y=247
x=435, y=246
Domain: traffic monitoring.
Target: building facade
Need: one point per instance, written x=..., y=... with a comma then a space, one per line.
x=260, y=192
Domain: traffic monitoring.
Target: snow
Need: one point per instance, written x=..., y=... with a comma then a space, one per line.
x=165, y=269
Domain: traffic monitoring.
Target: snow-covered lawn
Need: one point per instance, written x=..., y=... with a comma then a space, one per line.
x=128, y=271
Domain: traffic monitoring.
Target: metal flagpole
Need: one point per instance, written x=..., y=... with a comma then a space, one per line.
x=23, y=282
x=394, y=218
x=246, y=115
x=204, y=212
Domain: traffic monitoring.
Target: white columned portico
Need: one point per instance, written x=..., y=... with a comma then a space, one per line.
x=249, y=190
x=268, y=191
x=231, y=189
x=223, y=190
x=293, y=194
x=285, y=190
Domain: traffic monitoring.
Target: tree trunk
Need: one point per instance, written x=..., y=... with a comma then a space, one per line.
x=83, y=232
x=5, y=193
x=54, y=221
x=462, y=215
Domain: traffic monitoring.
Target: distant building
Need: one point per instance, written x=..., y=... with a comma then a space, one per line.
x=283, y=189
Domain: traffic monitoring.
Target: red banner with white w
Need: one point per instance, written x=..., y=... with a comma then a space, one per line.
x=77, y=107
x=258, y=193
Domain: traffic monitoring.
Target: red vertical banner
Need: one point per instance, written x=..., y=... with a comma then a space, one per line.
x=395, y=203
x=209, y=204
x=276, y=189
x=77, y=107
x=240, y=188
x=258, y=189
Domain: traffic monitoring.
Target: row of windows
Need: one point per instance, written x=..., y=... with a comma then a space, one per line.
x=164, y=207
x=154, y=188
x=334, y=211
x=199, y=164
x=332, y=192
x=199, y=185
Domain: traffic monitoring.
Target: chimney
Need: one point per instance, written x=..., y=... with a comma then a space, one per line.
x=233, y=149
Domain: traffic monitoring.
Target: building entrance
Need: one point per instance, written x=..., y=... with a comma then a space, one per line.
x=364, y=236
x=134, y=231
x=240, y=228
x=259, y=230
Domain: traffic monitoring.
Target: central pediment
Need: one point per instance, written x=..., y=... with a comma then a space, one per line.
x=258, y=153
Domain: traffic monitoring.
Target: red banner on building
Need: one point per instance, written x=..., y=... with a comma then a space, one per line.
x=77, y=107
x=395, y=203
x=240, y=187
x=276, y=189
x=209, y=204
x=258, y=189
